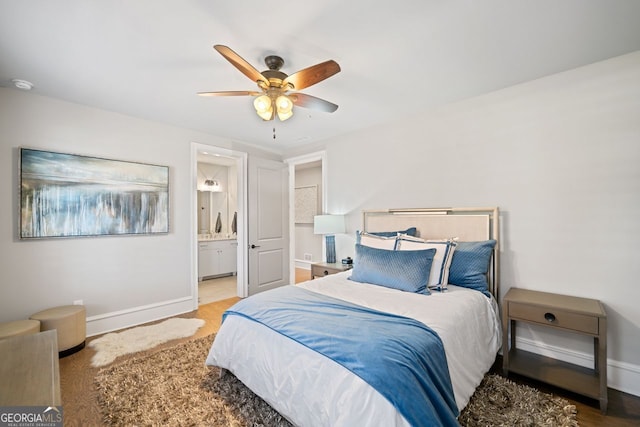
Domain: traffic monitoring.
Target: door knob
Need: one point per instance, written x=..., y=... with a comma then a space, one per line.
x=254, y=246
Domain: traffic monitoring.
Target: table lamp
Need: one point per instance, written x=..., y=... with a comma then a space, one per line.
x=329, y=225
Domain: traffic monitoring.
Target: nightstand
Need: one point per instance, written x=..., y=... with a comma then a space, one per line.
x=325, y=268
x=563, y=313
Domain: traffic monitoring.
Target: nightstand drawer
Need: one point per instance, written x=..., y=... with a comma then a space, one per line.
x=554, y=317
x=320, y=271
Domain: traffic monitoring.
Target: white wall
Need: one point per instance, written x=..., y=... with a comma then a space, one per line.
x=122, y=280
x=560, y=156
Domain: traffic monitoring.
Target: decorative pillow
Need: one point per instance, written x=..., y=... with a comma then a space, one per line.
x=382, y=239
x=404, y=270
x=441, y=264
x=411, y=231
x=375, y=241
x=470, y=265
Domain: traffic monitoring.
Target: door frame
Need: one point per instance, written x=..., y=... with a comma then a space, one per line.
x=242, y=236
x=292, y=162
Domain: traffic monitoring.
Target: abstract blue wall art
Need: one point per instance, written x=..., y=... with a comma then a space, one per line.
x=67, y=195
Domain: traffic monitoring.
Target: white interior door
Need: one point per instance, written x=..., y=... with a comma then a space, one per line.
x=268, y=225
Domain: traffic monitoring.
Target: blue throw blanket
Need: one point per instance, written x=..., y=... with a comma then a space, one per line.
x=401, y=358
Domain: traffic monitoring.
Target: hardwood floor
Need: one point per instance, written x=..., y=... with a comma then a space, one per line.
x=302, y=275
x=623, y=409
x=80, y=405
x=79, y=397
x=221, y=288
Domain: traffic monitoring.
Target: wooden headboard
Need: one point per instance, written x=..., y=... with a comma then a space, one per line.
x=467, y=224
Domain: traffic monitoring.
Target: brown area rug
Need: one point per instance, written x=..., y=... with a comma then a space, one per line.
x=173, y=387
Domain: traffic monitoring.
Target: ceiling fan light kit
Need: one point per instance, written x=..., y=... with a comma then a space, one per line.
x=278, y=90
x=284, y=107
x=264, y=106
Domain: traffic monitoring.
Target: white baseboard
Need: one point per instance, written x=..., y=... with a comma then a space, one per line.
x=113, y=321
x=303, y=264
x=620, y=375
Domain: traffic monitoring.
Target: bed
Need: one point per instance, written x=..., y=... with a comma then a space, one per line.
x=357, y=348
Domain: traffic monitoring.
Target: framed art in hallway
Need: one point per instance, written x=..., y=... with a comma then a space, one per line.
x=68, y=195
x=306, y=204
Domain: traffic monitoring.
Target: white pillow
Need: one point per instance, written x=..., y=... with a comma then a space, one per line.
x=378, y=242
x=441, y=264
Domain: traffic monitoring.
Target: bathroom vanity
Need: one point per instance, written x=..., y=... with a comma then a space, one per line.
x=217, y=257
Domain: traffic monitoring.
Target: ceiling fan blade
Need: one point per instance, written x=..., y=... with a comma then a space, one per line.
x=312, y=75
x=242, y=65
x=308, y=101
x=230, y=93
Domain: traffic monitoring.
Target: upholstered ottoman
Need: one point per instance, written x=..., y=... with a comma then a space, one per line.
x=70, y=322
x=19, y=327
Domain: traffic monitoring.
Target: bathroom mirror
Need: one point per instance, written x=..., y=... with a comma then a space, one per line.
x=217, y=199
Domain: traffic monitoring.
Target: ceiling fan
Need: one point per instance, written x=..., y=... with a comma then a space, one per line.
x=279, y=91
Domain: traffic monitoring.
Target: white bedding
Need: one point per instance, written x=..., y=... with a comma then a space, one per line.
x=312, y=390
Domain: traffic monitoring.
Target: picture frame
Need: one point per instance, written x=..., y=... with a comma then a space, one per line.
x=70, y=195
x=306, y=204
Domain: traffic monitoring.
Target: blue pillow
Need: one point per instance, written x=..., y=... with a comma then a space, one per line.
x=411, y=231
x=404, y=270
x=470, y=265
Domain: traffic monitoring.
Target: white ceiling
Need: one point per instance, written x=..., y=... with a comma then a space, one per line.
x=148, y=58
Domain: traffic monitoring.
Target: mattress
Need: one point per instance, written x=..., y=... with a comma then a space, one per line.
x=311, y=390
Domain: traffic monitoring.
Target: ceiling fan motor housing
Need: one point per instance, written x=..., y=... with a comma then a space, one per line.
x=273, y=74
x=274, y=62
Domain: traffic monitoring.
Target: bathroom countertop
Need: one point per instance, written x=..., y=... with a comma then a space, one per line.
x=214, y=239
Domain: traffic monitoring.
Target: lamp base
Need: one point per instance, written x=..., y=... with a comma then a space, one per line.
x=331, y=249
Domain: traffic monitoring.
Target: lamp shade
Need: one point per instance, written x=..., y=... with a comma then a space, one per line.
x=328, y=224
x=284, y=107
x=263, y=107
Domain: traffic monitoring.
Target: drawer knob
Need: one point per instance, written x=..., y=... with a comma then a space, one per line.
x=326, y=273
x=550, y=317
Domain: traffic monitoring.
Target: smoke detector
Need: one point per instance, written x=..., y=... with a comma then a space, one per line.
x=22, y=84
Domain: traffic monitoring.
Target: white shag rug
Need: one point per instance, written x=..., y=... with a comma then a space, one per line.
x=112, y=345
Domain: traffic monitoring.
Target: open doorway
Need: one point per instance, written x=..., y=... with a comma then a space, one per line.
x=219, y=224
x=307, y=193
x=217, y=207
